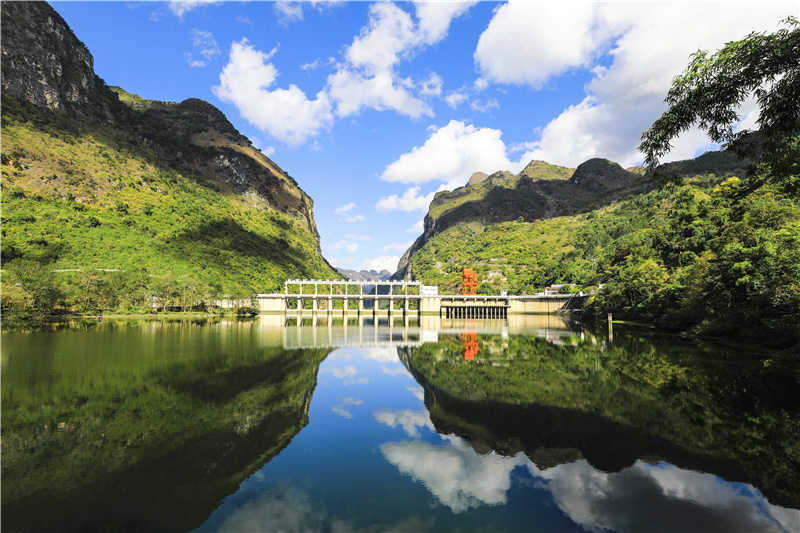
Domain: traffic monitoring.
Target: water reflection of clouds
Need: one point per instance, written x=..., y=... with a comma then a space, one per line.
x=381, y=354
x=348, y=371
x=287, y=508
x=282, y=508
x=410, y=421
x=418, y=392
x=397, y=371
x=664, y=497
x=341, y=409
x=457, y=476
x=643, y=497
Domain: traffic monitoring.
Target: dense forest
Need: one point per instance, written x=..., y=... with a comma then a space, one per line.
x=714, y=249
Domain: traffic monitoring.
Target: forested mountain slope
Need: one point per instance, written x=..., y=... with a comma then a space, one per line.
x=716, y=253
x=96, y=178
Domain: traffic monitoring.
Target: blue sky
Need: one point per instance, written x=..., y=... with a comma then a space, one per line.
x=373, y=107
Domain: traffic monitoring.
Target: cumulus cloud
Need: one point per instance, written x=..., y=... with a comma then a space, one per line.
x=526, y=44
x=352, y=91
x=383, y=262
x=557, y=37
x=450, y=156
x=344, y=213
x=205, y=45
x=369, y=78
x=410, y=201
x=351, y=242
x=286, y=114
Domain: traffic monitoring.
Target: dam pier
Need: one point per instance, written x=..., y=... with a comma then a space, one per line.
x=387, y=298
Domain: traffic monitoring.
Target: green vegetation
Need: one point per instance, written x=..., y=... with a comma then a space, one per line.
x=132, y=198
x=711, y=90
x=687, y=399
x=715, y=253
x=142, y=414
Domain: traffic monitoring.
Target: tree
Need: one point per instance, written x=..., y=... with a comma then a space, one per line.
x=712, y=88
x=38, y=283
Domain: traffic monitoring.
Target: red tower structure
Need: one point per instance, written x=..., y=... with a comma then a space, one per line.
x=469, y=283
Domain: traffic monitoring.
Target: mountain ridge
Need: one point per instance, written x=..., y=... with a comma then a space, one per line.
x=96, y=177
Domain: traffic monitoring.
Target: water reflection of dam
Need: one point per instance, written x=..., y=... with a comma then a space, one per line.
x=325, y=332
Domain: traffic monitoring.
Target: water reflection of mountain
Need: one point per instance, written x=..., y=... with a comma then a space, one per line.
x=615, y=404
x=146, y=438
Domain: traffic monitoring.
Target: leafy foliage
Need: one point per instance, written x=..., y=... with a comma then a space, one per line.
x=712, y=88
x=82, y=194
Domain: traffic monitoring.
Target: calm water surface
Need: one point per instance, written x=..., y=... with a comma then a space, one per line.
x=530, y=424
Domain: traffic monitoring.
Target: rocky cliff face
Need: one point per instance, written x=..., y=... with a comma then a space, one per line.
x=177, y=180
x=45, y=65
x=600, y=175
x=540, y=191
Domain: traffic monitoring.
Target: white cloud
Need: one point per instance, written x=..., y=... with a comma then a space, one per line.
x=352, y=91
x=288, y=12
x=419, y=227
x=369, y=78
x=450, y=156
x=400, y=247
x=383, y=262
x=350, y=246
x=456, y=98
x=179, y=9
x=286, y=114
x=525, y=44
x=344, y=213
x=341, y=262
x=483, y=107
x=351, y=243
x=410, y=201
x=531, y=42
x=432, y=86
x=204, y=43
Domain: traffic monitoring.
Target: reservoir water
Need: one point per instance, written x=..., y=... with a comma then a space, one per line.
x=534, y=423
